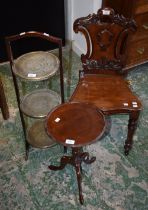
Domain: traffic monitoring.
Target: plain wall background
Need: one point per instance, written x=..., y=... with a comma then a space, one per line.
x=73, y=10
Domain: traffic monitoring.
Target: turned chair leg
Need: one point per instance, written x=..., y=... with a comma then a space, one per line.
x=132, y=125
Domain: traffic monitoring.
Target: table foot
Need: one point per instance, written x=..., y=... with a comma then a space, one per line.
x=64, y=161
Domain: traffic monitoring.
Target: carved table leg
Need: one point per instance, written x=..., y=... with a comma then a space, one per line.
x=76, y=159
x=79, y=180
x=132, y=125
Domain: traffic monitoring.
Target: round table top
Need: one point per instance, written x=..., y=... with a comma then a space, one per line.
x=38, y=65
x=75, y=124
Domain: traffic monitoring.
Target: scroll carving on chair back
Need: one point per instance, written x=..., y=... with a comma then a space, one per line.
x=106, y=34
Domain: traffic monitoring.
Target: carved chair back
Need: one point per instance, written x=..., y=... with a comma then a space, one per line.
x=106, y=35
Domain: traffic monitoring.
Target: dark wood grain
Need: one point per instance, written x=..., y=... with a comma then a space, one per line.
x=75, y=125
x=80, y=122
x=106, y=37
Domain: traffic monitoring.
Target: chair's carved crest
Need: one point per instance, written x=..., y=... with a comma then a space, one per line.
x=110, y=15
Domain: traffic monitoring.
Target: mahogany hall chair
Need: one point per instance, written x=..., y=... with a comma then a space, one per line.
x=3, y=102
x=102, y=80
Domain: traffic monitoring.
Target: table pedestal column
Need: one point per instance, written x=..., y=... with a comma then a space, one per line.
x=76, y=159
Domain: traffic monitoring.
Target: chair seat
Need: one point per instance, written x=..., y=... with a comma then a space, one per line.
x=107, y=92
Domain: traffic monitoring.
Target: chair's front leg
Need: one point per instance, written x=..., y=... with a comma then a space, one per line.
x=132, y=125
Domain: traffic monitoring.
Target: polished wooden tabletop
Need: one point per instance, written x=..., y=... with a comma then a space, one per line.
x=75, y=124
